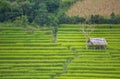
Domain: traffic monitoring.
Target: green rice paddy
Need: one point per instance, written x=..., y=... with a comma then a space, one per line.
x=26, y=55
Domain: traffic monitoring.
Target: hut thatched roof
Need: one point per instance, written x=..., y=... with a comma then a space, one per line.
x=97, y=41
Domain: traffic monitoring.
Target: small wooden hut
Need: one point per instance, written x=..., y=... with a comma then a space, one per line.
x=97, y=43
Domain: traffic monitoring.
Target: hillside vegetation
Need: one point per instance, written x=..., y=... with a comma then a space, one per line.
x=32, y=55
x=37, y=43
x=86, y=8
x=53, y=12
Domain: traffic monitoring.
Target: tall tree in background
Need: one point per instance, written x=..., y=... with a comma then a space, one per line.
x=53, y=5
x=41, y=15
x=4, y=10
x=46, y=12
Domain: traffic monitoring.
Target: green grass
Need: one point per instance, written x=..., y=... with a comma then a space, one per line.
x=26, y=55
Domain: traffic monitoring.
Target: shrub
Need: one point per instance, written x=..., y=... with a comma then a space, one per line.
x=64, y=19
x=21, y=21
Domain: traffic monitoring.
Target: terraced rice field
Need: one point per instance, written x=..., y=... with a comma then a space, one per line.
x=91, y=64
x=27, y=55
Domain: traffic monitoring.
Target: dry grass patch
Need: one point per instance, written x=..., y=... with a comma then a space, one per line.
x=87, y=7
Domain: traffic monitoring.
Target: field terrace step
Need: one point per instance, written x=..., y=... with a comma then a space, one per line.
x=90, y=75
x=33, y=48
x=25, y=77
x=30, y=44
x=32, y=61
x=65, y=77
x=35, y=51
x=36, y=54
x=94, y=25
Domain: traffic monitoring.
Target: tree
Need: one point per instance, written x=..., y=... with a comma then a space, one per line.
x=77, y=19
x=63, y=18
x=117, y=19
x=98, y=19
x=114, y=19
x=15, y=11
x=53, y=5
x=4, y=10
x=53, y=22
x=21, y=21
x=87, y=29
x=41, y=16
x=54, y=31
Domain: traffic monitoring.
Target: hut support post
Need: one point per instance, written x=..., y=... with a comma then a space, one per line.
x=105, y=47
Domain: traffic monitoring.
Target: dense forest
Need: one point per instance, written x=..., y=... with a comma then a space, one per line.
x=38, y=11
x=46, y=13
